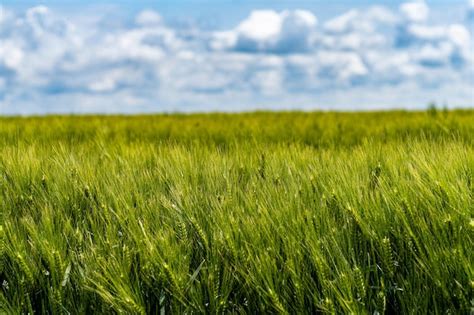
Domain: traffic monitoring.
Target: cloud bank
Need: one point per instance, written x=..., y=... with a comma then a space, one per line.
x=362, y=59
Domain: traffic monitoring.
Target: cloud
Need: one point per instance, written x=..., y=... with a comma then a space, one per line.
x=356, y=29
x=342, y=23
x=367, y=20
x=148, y=18
x=11, y=54
x=436, y=45
x=470, y=10
x=50, y=62
x=415, y=11
x=270, y=31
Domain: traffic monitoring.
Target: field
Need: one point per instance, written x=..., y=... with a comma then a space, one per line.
x=365, y=213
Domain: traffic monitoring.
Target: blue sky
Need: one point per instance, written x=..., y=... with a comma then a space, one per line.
x=209, y=55
x=226, y=12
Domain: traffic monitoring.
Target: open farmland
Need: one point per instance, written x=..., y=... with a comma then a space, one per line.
x=239, y=213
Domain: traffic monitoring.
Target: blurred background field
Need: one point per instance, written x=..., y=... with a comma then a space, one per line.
x=315, y=129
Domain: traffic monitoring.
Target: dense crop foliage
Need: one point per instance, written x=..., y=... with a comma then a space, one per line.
x=253, y=213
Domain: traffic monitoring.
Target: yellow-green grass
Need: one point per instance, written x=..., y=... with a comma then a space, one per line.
x=250, y=213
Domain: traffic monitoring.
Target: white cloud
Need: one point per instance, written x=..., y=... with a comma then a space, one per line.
x=437, y=45
x=459, y=34
x=260, y=25
x=342, y=66
x=427, y=33
x=342, y=23
x=357, y=29
x=432, y=56
x=393, y=67
x=415, y=11
x=148, y=18
x=10, y=54
x=270, y=31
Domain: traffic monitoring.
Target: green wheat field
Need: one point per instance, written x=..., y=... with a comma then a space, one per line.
x=276, y=213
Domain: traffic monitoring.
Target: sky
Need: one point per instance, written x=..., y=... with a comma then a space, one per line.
x=234, y=55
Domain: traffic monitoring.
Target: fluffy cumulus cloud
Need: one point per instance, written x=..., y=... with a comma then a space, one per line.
x=364, y=58
x=271, y=32
x=415, y=11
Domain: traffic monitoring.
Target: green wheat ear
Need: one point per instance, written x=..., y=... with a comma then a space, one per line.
x=323, y=270
x=182, y=231
x=25, y=269
x=170, y=277
x=56, y=297
x=127, y=257
x=216, y=283
x=276, y=302
x=381, y=302
x=58, y=263
x=200, y=234
x=387, y=256
x=360, y=282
